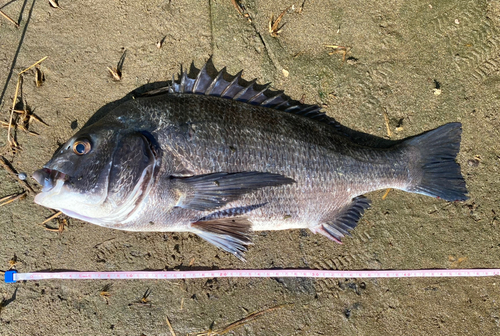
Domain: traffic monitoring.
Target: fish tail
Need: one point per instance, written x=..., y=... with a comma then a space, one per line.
x=436, y=173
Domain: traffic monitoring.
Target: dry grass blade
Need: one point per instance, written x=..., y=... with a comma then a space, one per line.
x=159, y=44
x=146, y=295
x=241, y=10
x=37, y=118
x=386, y=118
x=13, y=262
x=105, y=293
x=10, y=139
x=274, y=28
x=27, y=116
x=4, y=163
x=386, y=193
x=301, y=7
x=241, y=322
x=11, y=198
x=170, y=326
x=8, y=18
x=116, y=73
x=144, y=301
x=117, y=76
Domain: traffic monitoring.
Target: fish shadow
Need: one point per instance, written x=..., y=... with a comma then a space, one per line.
x=161, y=87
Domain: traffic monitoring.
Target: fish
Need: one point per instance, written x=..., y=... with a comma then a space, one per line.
x=221, y=157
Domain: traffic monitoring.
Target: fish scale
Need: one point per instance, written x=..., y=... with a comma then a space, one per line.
x=223, y=157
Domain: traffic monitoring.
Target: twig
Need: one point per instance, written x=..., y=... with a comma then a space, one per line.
x=8, y=18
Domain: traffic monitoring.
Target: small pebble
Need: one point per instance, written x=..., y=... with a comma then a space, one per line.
x=473, y=162
x=22, y=176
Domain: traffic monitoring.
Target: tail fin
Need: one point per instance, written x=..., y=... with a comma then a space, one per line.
x=437, y=173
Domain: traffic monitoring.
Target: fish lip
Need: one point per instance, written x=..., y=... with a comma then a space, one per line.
x=48, y=178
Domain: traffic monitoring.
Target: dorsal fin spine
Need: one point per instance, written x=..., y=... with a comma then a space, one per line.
x=214, y=82
x=183, y=82
x=232, y=84
x=204, y=83
x=198, y=78
x=268, y=101
x=260, y=93
x=244, y=90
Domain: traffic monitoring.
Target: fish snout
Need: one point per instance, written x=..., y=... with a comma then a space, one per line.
x=47, y=178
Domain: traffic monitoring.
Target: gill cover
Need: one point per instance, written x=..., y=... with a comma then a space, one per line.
x=131, y=176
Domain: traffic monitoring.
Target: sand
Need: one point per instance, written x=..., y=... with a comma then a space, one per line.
x=422, y=63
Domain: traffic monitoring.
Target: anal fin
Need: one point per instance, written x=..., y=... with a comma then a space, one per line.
x=344, y=220
x=230, y=234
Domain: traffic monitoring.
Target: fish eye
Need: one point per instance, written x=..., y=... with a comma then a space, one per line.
x=81, y=147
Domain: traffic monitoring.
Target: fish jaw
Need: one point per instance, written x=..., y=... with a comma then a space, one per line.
x=47, y=178
x=52, y=182
x=57, y=194
x=95, y=208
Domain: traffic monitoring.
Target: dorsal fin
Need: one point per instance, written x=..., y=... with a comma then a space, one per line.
x=234, y=87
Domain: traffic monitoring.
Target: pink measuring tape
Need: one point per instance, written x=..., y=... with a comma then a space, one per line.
x=12, y=276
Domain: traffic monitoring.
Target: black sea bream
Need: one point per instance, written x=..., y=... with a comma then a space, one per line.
x=222, y=159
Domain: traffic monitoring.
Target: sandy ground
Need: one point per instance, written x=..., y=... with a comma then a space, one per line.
x=401, y=52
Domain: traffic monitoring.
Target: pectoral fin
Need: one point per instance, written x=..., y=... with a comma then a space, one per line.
x=344, y=220
x=230, y=234
x=212, y=191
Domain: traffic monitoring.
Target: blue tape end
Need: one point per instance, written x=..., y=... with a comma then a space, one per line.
x=9, y=276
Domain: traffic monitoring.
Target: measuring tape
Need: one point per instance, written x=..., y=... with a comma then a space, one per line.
x=12, y=276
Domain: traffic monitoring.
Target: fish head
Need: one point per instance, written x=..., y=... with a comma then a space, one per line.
x=101, y=175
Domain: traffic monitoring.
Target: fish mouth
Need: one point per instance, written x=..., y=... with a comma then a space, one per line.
x=48, y=178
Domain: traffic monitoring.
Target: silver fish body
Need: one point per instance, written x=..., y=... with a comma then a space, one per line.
x=220, y=159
